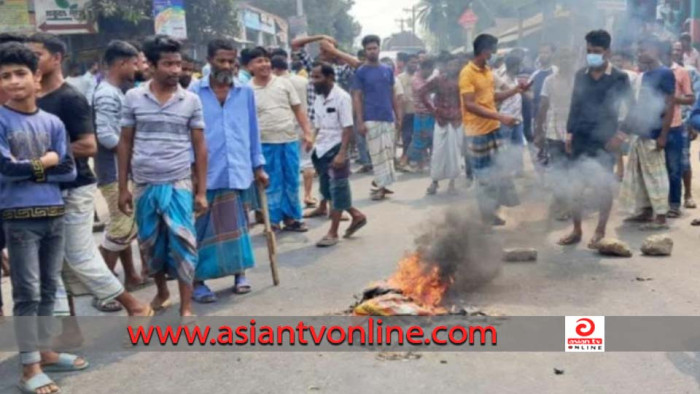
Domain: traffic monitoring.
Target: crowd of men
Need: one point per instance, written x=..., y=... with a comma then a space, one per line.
x=181, y=158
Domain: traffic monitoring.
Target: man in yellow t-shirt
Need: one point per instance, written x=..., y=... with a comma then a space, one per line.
x=482, y=123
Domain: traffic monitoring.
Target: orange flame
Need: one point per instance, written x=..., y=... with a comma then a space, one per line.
x=420, y=281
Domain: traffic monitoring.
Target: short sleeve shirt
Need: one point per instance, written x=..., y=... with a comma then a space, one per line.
x=333, y=114
x=557, y=90
x=377, y=86
x=74, y=111
x=274, y=103
x=480, y=82
x=650, y=110
x=163, y=134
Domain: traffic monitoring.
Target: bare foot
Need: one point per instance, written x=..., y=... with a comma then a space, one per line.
x=571, y=239
x=593, y=244
x=161, y=302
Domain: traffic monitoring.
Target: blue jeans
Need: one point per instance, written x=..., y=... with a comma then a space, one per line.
x=674, y=165
x=35, y=249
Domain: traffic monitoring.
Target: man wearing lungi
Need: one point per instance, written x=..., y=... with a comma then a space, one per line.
x=162, y=124
x=449, y=132
x=235, y=162
x=376, y=109
x=481, y=127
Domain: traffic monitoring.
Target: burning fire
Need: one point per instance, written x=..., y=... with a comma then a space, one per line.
x=422, y=282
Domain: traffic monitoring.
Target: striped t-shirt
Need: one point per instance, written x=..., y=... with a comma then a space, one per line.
x=162, y=141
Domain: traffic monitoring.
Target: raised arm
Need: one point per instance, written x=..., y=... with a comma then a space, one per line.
x=330, y=48
x=301, y=42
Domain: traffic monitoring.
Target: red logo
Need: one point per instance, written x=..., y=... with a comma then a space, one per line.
x=585, y=329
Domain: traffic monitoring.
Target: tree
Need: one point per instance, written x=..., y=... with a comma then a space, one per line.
x=441, y=19
x=205, y=18
x=331, y=17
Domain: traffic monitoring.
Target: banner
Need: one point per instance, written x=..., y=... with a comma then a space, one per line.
x=169, y=16
x=14, y=16
x=64, y=17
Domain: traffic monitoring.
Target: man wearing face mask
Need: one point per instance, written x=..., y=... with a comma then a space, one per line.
x=235, y=162
x=593, y=139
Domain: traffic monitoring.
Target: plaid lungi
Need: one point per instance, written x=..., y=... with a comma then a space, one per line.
x=380, y=141
x=224, y=244
x=646, y=183
x=496, y=187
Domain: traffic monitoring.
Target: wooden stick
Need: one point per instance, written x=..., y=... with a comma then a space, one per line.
x=269, y=234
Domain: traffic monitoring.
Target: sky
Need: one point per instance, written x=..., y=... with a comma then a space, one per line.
x=379, y=16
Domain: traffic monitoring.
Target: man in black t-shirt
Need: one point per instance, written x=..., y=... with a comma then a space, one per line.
x=84, y=271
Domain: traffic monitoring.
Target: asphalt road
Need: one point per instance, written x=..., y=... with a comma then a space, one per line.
x=571, y=281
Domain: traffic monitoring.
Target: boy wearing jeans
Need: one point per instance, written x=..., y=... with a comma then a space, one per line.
x=33, y=161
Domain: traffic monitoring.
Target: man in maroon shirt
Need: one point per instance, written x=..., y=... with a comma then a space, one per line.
x=449, y=132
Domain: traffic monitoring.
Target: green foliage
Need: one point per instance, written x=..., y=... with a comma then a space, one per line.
x=331, y=17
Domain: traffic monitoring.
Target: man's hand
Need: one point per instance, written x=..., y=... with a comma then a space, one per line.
x=508, y=120
x=308, y=143
x=126, y=202
x=201, y=205
x=661, y=142
x=615, y=143
x=568, y=144
x=329, y=39
x=49, y=160
x=262, y=178
x=362, y=128
x=339, y=161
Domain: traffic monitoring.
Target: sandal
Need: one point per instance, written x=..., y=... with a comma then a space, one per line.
x=690, y=203
x=695, y=223
x=296, y=227
x=432, y=190
x=241, y=285
x=37, y=382
x=327, y=242
x=203, y=294
x=140, y=286
x=571, y=239
x=355, y=227
x=162, y=306
x=65, y=363
x=312, y=203
x=654, y=227
x=378, y=195
x=316, y=213
x=673, y=214
x=107, y=306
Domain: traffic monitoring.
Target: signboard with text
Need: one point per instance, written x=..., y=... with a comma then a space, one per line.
x=64, y=17
x=14, y=16
x=170, y=18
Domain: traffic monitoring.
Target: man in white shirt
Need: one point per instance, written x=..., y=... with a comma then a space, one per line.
x=334, y=126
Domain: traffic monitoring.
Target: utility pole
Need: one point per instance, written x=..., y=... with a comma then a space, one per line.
x=402, y=23
x=301, y=17
x=413, y=10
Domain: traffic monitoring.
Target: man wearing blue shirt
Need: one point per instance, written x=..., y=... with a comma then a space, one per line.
x=235, y=162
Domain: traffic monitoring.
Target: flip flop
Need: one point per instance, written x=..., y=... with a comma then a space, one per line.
x=163, y=306
x=35, y=383
x=203, y=295
x=107, y=307
x=695, y=223
x=311, y=203
x=690, y=204
x=327, y=242
x=65, y=363
x=315, y=214
x=241, y=286
x=673, y=214
x=355, y=227
x=654, y=227
x=296, y=227
x=144, y=283
x=569, y=240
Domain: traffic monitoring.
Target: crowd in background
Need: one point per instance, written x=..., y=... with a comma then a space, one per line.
x=184, y=158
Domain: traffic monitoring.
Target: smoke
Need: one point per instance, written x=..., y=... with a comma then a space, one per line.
x=465, y=250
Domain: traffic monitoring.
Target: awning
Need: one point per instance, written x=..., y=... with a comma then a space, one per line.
x=530, y=26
